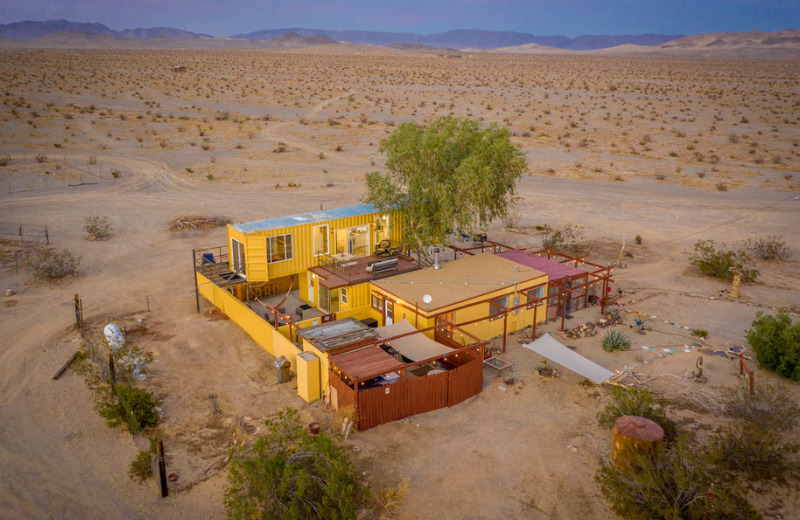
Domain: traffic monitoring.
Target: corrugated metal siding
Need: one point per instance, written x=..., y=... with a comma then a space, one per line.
x=302, y=241
x=255, y=251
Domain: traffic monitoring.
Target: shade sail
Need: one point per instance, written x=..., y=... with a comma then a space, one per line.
x=550, y=348
x=415, y=347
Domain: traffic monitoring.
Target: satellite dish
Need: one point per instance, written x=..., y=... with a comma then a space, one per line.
x=427, y=298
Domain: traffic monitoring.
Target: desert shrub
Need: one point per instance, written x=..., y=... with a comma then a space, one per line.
x=638, y=240
x=141, y=467
x=290, y=474
x=772, y=406
x=280, y=148
x=562, y=239
x=97, y=227
x=135, y=407
x=700, y=333
x=776, y=343
x=641, y=403
x=41, y=158
x=51, y=264
x=771, y=247
x=115, y=174
x=615, y=340
x=5, y=159
x=721, y=186
x=719, y=263
x=757, y=452
x=673, y=483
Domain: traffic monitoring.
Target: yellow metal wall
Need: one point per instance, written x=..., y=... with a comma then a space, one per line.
x=484, y=329
x=324, y=366
x=308, y=378
x=302, y=244
x=254, y=325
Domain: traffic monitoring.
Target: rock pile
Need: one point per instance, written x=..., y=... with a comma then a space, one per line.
x=613, y=317
x=581, y=331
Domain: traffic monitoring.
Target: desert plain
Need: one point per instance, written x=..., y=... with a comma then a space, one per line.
x=673, y=148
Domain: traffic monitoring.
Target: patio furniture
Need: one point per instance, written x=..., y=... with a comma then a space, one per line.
x=380, y=266
x=383, y=248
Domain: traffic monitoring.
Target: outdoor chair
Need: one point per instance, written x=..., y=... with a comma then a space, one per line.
x=383, y=248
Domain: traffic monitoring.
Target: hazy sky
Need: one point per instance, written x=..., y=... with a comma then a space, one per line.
x=539, y=17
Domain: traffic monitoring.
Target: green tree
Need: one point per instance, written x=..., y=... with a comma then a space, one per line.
x=776, y=343
x=289, y=474
x=447, y=177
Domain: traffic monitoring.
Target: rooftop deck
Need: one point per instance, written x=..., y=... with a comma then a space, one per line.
x=343, y=271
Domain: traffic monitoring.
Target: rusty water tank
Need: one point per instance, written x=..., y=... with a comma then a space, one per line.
x=632, y=434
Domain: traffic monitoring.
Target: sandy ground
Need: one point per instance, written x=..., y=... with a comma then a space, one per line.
x=529, y=452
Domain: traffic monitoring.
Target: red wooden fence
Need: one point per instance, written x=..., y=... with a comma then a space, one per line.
x=413, y=396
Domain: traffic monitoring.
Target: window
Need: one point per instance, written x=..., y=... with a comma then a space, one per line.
x=536, y=292
x=353, y=241
x=320, y=239
x=377, y=302
x=497, y=305
x=328, y=300
x=280, y=248
x=344, y=295
x=237, y=255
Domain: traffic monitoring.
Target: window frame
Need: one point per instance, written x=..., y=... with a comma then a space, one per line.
x=504, y=302
x=538, y=289
x=327, y=236
x=377, y=302
x=289, y=249
x=343, y=296
x=238, y=258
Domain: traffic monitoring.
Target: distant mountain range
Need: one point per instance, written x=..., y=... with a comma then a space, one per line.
x=457, y=39
x=470, y=38
x=63, y=33
x=28, y=30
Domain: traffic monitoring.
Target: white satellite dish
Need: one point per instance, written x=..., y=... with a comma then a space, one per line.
x=427, y=298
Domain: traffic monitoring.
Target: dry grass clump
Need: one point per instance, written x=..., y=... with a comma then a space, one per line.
x=196, y=223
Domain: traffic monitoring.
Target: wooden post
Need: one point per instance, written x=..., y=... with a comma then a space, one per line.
x=46, y=236
x=78, y=312
x=66, y=365
x=196, y=288
x=162, y=468
x=112, y=372
x=741, y=364
x=147, y=296
x=563, y=306
x=505, y=328
x=603, y=296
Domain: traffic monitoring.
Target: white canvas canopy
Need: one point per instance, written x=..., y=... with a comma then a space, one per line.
x=550, y=348
x=415, y=347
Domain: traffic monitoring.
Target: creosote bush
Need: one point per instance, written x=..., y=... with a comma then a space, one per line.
x=776, y=343
x=141, y=467
x=771, y=247
x=48, y=263
x=97, y=227
x=673, y=483
x=719, y=263
x=290, y=474
x=135, y=407
x=564, y=239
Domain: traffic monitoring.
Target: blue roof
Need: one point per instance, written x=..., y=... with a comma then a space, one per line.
x=305, y=218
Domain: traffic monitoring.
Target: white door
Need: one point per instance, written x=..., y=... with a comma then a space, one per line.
x=388, y=316
x=310, y=288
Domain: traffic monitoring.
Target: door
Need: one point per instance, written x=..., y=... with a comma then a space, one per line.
x=388, y=310
x=311, y=288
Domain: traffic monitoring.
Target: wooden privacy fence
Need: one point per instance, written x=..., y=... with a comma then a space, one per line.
x=413, y=396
